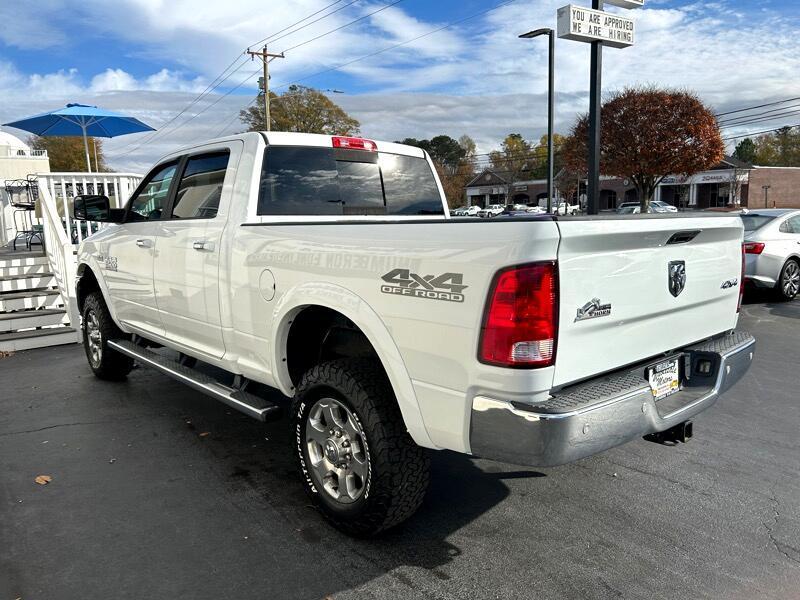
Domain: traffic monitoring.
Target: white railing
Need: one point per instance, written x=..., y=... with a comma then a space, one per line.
x=61, y=255
x=62, y=233
x=63, y=187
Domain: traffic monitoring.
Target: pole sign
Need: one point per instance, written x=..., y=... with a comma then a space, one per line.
x=587, y=25
x=627, y=3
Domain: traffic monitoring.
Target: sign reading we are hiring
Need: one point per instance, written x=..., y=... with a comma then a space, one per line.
x=588, y=25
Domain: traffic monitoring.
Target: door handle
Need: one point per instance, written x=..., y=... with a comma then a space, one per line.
x=144, y=243
x=203, y=245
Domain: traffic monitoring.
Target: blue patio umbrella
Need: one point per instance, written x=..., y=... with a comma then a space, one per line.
x=81, y=120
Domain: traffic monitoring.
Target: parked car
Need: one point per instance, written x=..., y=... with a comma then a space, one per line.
x=537, y=210
x=467, y=211
x=492, y=210
x=772, y=250
x=330, y=269
x=656, y=206
x=662, y=206
x=564, y=208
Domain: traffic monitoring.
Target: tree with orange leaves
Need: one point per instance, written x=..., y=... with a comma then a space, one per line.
x=648, y=134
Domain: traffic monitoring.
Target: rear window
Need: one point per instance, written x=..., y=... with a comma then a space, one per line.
x=298, y=180
x=753, y=222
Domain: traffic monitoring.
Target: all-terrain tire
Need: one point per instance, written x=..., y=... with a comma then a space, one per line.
x=98, y=328
x=399, y=470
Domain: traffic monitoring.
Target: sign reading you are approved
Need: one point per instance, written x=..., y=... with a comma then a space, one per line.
x=588, y=25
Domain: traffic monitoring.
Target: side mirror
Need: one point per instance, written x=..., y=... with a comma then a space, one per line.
x=95, y=208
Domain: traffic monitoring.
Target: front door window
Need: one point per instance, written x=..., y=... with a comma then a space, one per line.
x=149, y=203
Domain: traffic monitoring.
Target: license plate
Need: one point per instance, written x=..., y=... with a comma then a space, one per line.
x=665, y=378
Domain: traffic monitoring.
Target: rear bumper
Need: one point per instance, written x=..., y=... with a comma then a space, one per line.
x=605, y=412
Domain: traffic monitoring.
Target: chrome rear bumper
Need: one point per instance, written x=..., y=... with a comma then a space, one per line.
x=605, y=412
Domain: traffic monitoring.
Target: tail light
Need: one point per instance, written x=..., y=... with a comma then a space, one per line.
x=521, y=320
x=741, y=279
x=352, y=143
x=753, y=247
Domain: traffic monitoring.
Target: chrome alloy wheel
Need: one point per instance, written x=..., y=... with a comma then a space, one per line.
x=94, y=338
x=337, y=450
x=790, y=282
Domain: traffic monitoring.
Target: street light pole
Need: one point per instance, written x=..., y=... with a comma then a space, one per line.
x=551, y=108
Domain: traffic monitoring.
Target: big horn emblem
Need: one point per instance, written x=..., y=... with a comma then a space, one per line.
x=677, y=277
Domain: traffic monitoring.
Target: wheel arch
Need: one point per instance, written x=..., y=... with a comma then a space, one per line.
x=353, y=308
x=87, y=281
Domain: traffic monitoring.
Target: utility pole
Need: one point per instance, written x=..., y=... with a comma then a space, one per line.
x=266, y=58
x=766, y=195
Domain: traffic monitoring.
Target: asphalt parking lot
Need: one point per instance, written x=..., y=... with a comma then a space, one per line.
x=158, y=492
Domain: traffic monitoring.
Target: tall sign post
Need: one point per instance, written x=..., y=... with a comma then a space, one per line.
x=599, y=29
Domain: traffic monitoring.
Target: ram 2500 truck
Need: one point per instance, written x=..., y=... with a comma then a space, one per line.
x=329, y=268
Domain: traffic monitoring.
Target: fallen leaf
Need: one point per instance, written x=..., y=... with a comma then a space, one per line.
x=205, y=433
x=43, y=479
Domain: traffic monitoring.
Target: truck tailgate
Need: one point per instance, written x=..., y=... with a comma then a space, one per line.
x=617, y=303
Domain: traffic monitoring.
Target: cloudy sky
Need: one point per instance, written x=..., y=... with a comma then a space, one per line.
x=404, y=72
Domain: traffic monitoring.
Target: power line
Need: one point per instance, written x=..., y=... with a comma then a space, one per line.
x=200, y=112
x=744, y=135
x=731, y=112
x=322, y=35
x=791, y=113
x=768, y=112
x=270, y=39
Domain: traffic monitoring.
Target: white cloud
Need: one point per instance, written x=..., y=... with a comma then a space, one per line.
x=115, y=80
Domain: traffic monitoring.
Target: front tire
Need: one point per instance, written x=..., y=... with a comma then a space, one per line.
x=98, y=329
x=356, y=459
x=789, y=281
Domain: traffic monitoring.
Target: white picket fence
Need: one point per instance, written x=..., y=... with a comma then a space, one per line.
x=62, y=233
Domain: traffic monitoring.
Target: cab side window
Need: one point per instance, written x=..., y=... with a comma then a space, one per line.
x=200, y=187
x=149, y=203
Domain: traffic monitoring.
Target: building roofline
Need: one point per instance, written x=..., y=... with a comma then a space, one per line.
x=482, y=173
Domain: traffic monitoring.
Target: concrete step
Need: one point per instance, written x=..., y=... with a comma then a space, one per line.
x=30, y=319
x=37, y=338
x=21, y=283
x=29, y=300
x=29, y=270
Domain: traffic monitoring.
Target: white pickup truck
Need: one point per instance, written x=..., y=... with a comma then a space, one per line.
x=328, y=268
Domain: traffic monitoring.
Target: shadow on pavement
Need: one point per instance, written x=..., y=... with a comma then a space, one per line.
x=159, y=491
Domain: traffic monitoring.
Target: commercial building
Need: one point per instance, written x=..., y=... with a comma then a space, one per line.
x=730, y=184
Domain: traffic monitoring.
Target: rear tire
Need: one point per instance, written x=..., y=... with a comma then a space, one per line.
x=368, y=475
x=789, y=280
x=98, y=329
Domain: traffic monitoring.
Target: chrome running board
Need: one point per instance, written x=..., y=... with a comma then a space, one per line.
x=249, y=404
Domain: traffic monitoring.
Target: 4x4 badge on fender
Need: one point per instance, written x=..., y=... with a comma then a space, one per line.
x=448, y=286
x=677, y=277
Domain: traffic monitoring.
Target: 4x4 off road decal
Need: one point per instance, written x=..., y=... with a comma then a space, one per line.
x=402, y=282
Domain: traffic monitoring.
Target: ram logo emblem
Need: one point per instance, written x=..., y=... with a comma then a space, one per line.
x=677, y=277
